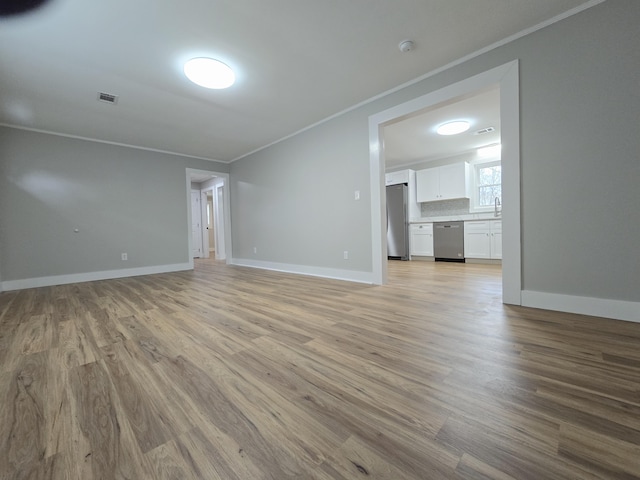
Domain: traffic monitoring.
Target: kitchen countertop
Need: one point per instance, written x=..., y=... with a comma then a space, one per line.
x=457, y=218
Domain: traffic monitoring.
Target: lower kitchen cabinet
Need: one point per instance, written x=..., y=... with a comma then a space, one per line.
x=483, y=239
x=496, y=239
x=421, y=239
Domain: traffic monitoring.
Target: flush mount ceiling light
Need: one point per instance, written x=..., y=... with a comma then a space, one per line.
x=209, y=73
x=453, y=128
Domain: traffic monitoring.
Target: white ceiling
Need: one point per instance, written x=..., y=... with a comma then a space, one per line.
x=297, y=62
x=415, y=139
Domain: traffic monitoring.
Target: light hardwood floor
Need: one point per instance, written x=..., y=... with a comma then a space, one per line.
x=236, y=373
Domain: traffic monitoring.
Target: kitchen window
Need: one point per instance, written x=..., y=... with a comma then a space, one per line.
x=488, y=178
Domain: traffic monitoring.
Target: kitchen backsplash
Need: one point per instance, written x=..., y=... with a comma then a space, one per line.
x=459, y=206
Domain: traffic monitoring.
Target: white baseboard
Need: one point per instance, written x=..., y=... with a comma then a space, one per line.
x=334, y=273
x=90, y=276
x=598, y=307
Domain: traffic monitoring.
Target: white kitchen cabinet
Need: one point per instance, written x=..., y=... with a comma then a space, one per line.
x=483, y=239
x=496, y=239
x=395, y=178
x=421, y=239
x=443, y=183
x=477, y=240
x=428, y=185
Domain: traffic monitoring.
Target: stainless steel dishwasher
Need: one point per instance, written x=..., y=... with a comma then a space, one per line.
x=448, y=241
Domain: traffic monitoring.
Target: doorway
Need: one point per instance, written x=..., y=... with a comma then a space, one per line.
x=204, y=186
x=213, y=201
x=507, y=78
x=211, y=237
x=196, y=224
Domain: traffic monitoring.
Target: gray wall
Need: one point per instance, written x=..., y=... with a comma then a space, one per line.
x=580, y=170
x=295, y=200
x=120, y=199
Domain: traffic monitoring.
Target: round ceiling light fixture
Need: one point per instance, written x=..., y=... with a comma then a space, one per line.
x=209, y=73
x=453, y=128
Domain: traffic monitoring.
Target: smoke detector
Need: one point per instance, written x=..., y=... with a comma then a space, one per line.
x=406, y=46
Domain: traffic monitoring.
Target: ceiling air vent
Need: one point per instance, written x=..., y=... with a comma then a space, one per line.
x=482, y=131
x=107, y=98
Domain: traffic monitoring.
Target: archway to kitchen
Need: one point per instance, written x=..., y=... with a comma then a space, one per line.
x=506, y=77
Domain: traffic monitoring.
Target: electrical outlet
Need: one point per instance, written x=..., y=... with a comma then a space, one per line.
x=356, y=195
x=345, y=255
x=255, y=249
x=124, y=257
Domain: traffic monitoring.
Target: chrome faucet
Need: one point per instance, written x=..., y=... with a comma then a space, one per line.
x=497, y=207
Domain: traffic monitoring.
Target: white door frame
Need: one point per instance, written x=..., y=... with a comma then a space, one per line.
x=220, y=192
x=507, y=77
x=218, y=216
x=210, y=192
x=204, y=204
x=226, y=212
x=196, y=197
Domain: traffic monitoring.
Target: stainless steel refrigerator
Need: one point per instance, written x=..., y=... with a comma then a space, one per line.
x=397, y=222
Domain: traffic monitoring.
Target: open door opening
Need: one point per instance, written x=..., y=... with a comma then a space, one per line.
x=507, y=79
x=208, y=215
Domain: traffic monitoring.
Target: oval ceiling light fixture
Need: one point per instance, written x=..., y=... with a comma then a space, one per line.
x=453, y=128
x=209, y=73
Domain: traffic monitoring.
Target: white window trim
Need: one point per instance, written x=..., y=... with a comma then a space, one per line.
x=473, y=204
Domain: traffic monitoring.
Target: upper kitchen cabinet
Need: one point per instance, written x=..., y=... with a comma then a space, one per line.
x=394, y=178
x=443, y=183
